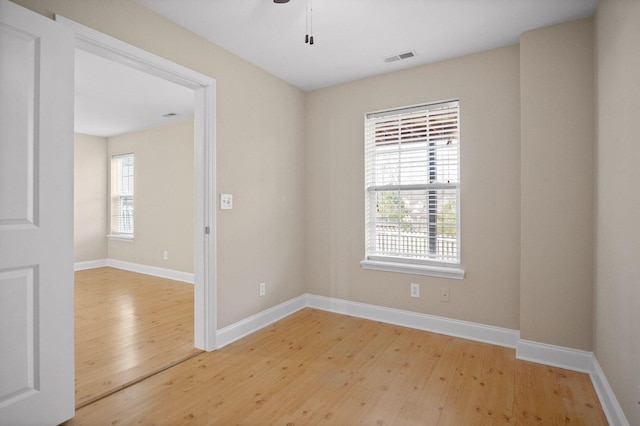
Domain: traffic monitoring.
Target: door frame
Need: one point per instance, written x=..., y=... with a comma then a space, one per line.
x=204, y=87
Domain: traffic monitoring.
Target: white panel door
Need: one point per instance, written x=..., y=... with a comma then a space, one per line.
x=36, y=218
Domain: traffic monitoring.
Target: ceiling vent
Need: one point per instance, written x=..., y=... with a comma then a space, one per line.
x=400, y=56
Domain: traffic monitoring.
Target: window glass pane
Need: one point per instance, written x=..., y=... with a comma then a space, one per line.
x=418, y=224
x=122, y=186
x=412, y=177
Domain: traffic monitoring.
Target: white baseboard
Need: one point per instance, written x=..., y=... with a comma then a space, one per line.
x=136, y=267
x=450, y=327
x=89, y=264
x=555, y=356
x=260, y=320
x=608, y=400
x=152, y=270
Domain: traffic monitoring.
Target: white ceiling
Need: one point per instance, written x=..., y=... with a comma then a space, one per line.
x=352, y=37
x=112, y=99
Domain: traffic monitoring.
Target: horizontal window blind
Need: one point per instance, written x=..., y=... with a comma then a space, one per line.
x=412, y=184
x=122, y=184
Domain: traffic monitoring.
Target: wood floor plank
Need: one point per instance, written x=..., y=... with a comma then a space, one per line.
x=127, y=326
x=319, y=368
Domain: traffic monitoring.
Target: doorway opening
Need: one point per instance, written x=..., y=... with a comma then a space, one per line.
x=203, y=87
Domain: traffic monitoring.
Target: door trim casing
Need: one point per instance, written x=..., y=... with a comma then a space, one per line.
x=204, y=87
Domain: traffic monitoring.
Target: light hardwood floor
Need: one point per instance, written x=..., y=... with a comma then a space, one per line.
x=128, y=326
x=315, y=367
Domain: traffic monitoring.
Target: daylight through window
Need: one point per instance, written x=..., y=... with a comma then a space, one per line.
x=122, y=195
x=412, y=184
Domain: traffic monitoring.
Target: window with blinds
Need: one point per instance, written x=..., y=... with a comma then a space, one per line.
x=122, y=195
x=412, y=184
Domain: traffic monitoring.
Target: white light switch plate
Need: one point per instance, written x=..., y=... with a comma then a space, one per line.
x=226, y=201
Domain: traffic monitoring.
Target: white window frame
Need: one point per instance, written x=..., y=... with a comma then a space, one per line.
x=118, y=195
x=412, y=263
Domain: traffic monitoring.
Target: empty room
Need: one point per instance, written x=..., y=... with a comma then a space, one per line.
x=132, y=130
x=389, y=212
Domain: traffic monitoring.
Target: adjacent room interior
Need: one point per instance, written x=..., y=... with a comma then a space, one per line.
x=133, y=130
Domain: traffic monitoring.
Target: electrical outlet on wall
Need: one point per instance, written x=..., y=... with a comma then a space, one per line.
x=263, y=289
x=166, y=255
x=444, y=294
x=415, y=290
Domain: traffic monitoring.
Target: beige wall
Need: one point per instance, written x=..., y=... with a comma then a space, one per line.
x=163, y=197
x=557, y=168
x=260, y=119
x=487, y=85
x=90, y=198
x=617, y=290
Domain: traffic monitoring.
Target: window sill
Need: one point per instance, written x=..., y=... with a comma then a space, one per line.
x=452, y=272
x=117, y=237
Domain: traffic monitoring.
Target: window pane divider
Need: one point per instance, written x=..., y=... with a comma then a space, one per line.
x=413, y=187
